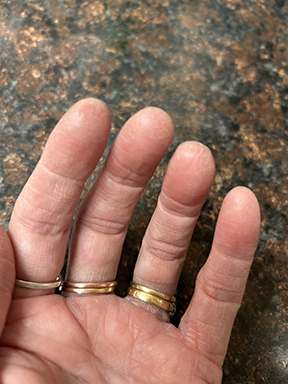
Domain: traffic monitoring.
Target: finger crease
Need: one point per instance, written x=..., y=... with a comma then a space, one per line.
x=43, y=227
x=221, y=294
x=58, y=175
x=128, y=181
x=175, y=252
x=108, y=227
x=189, y=211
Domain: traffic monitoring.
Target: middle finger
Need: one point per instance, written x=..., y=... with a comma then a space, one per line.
x=104, y=215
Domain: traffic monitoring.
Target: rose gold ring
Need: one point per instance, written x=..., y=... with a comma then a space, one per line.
x=89, y=288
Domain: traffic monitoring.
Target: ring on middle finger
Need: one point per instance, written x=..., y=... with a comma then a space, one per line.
x=89, y=288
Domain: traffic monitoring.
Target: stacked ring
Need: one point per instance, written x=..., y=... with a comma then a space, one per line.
x=86, y=288
x=151, y=296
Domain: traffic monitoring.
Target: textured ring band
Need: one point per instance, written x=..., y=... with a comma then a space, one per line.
x=39, y=285
x=151, y=299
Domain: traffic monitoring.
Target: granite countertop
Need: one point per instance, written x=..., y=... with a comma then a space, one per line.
x=220, y=69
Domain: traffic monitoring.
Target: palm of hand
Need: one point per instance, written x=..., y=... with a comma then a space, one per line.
x=47, y=338
x=97, y=340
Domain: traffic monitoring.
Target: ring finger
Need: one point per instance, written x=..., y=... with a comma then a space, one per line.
x=185, y=187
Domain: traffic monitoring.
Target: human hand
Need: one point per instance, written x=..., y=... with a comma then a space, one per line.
x=48, y=338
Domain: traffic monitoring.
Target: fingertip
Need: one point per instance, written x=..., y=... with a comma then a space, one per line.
x=157, y=119
x=78, y=140
x=93, y=105
x=143, y=141
x=242, y=200
x=190, y=151
x=89, y=101
x=238, y=225
x=89, y=111
x=189, y=175
x=242, y=190
x=154, y=112
x=193, y=163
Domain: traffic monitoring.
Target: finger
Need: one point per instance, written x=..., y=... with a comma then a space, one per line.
x=220, y=284
x=41, y=220
x=7, y=275
x=185, y=187
x=105, y=212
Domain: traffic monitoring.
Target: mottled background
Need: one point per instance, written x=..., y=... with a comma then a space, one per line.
x=220, y=69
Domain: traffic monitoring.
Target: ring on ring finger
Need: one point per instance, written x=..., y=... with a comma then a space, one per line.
x=151, y=296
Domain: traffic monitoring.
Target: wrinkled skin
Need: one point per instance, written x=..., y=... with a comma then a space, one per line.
x=47, y=338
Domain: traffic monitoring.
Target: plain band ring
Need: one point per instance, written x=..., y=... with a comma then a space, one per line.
x=39, y=285
x=101, y=284
x=86, y=288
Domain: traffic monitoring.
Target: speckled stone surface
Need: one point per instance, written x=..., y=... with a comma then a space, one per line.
x=220, y=69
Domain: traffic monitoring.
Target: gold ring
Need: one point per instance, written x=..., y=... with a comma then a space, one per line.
x=101, y=284
x=153, y=292
x=88, y=290
x=92, y=288
x=39, y=285
x=159, y=302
